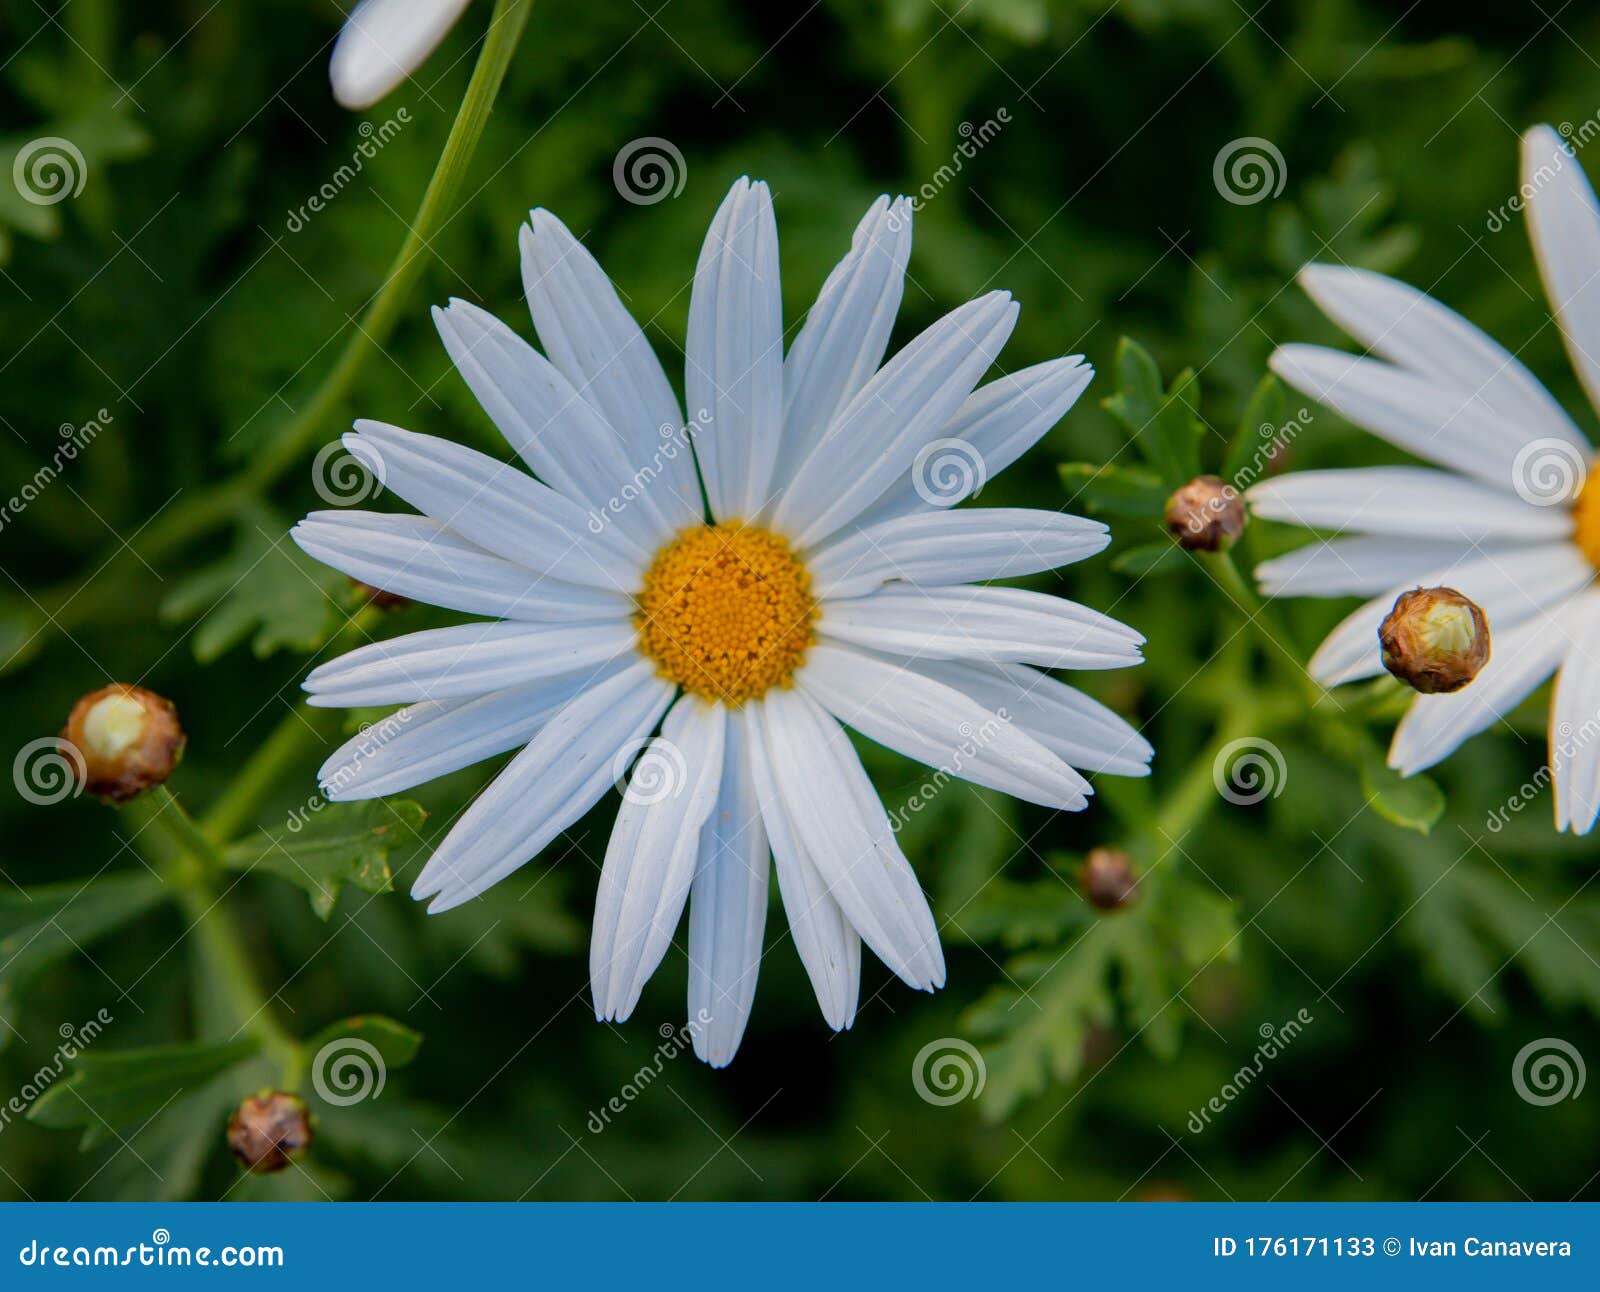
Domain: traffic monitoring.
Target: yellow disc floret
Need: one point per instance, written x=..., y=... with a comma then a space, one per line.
x=1586, y=512
x=726, y=612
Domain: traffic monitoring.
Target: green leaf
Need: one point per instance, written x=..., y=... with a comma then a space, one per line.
x=264, y=589
x=323, y=848
x=1259, y=430
x=1114, y=491
x=108, y=1092
x=1414, y=802
x=1164, y=424
x=1149, y=558
x=41, y=926
x=395, y=1043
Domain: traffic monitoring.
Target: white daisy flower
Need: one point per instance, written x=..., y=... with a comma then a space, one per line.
x=819, y=578
x=1512, y=520
x=384, y=42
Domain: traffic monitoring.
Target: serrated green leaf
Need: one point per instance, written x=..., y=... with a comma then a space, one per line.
x=321, y=850
x=1415, y=802
x=265, y=589
x=1257, y=432
x=107, y=1092
x=1114, y=490
x=1165, y=425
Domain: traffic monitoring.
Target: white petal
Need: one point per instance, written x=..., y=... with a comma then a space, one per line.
x=385, y=41
x=836, y=815
x=590, y=336
x=466, y=659
x=497, y=507
x=991, y=625
x=560, y=775
x=996, y=425
x=1565, y=227
x=728, y=907
x=1411, y=502
x=938, y=725
x=1408, y=327
x=1435, y=725
x=1510, y=584
x=650, y=859
x=425, y=741
x=1442, y=424
x=1575, y=722
x=734, y=356
x=945, y=547
x=1080, y=730
x=1354, y=566
x=877, y=437
x=412, y=556
x=846, y=332
x=555, y=429
x=829, y=948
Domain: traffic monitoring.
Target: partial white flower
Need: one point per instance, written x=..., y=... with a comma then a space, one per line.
x=384, y=42
x=1508, y=512
x=812, y=583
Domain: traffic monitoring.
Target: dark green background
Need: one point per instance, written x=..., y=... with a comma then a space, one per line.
x=173, y=294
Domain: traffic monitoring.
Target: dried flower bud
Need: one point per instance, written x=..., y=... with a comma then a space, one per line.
x=1206, y=515
x=1107, y=879
x=1434, y=640
x=126, y=740
x=268, y=1131
x=377, y=597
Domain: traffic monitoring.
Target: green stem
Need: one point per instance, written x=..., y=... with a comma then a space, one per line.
x=300, y=732
x=192, y=869
x=77, y=603
x=1261, y=618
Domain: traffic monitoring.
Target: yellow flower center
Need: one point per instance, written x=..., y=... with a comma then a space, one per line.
x=1586, y=512
x=726, y=612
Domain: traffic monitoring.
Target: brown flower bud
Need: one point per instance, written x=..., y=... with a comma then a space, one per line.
x=124, y=740
x=1434, y=640
x=1107, y=879
x=377, y=597
x=268, y=1131
x=1206, y=515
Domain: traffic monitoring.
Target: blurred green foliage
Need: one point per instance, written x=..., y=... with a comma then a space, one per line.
x=183, y=290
